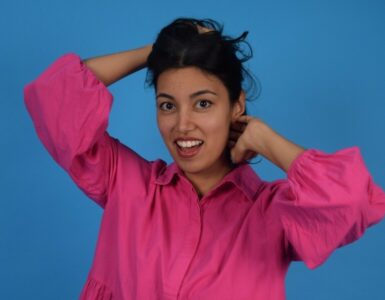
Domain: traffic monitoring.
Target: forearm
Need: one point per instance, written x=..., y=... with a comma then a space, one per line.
x=277, y=149
x=113, y=67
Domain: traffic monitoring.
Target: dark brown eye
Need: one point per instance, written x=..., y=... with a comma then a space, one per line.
x=206, y=103
x=166, y=106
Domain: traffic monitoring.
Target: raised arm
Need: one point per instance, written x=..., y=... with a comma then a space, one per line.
x=69, y=105
x=113, y=67
x=328, y=199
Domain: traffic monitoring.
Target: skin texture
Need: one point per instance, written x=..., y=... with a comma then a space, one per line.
x=205, y=117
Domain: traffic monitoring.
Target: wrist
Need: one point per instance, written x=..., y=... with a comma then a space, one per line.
x=143, y=54
x=276, y=148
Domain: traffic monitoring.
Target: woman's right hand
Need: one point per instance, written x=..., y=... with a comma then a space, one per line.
x=202, y=29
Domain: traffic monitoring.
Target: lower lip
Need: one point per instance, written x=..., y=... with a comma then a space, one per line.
x=188, y=152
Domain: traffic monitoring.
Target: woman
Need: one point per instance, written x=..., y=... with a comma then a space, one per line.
x=205, y=226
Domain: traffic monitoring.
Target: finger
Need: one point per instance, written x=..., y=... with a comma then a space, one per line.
x=244, y=118
x=202, y=29
x=237, y=152
x=250, y=155
x=246, y=156
x=233, y=155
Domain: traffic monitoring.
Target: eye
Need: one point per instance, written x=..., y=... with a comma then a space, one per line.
x=206, y=103
x=166, y=106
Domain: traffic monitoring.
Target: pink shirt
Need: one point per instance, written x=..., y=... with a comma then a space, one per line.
x=158, y=241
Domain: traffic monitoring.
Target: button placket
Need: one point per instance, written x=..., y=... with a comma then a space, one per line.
x=194, y=244
x=190, y=242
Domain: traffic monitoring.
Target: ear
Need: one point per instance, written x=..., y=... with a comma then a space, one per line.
x=239, y=106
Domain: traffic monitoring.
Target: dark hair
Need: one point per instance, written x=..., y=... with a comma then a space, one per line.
x=180, y=44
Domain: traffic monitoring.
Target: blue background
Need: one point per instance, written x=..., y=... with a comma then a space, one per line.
x=322, y=69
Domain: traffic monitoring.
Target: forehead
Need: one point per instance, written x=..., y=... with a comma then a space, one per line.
x=188, y=79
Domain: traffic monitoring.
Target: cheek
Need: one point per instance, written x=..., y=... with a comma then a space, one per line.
x=218, y=126
x=164, y=126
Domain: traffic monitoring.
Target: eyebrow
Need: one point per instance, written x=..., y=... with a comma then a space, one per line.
x=198, y=93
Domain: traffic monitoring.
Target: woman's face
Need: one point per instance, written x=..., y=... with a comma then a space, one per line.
x=195, y=106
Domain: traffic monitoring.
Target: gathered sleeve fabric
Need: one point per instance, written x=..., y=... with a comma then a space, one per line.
x=70, y=107
x=327, y=201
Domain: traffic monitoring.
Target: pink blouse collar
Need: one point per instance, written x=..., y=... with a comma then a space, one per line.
x=242, y=176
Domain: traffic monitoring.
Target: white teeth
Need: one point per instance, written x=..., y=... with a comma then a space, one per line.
x=189, y=143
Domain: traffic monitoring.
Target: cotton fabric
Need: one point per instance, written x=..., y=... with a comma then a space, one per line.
x=157, y=240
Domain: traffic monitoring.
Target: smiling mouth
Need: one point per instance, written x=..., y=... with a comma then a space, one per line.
x=187, y=152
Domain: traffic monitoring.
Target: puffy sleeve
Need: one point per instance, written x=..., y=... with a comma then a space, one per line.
x=327, y=201
x=69, y=107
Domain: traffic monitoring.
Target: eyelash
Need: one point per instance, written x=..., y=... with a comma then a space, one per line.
x=161, y=105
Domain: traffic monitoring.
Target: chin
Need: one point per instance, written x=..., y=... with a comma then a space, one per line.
x=198, y=164
x=191, y=166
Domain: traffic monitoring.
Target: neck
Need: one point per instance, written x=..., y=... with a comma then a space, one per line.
x=204, y=182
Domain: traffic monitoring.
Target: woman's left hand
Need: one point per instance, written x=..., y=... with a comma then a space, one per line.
x=250, y=136
x=242, y=133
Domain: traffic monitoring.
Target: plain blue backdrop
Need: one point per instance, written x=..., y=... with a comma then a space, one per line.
x=321, y=65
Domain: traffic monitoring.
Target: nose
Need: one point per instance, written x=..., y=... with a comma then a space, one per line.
x=185, y=122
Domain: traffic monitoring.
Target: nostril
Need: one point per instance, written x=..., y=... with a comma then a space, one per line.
x=185, y=126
